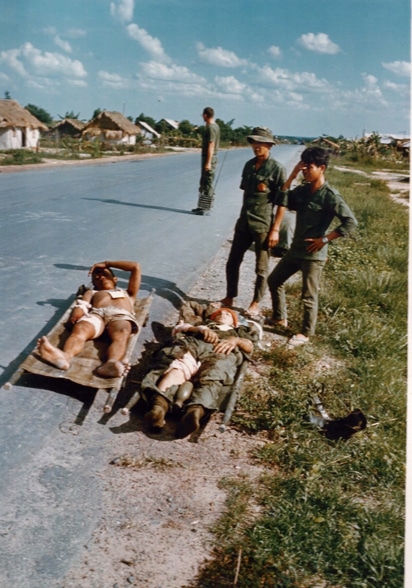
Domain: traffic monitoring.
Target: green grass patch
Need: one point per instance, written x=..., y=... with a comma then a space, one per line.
x=329, y=513
x=19, y=157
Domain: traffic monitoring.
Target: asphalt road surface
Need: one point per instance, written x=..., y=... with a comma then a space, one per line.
x=55, y=223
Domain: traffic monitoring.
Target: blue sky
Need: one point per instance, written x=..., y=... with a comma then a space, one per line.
x=300, y=67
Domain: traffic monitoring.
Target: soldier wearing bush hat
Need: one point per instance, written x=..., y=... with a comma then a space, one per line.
x=260, y=217
x=261, y=135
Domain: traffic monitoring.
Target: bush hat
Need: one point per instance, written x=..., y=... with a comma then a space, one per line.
x=261, y=134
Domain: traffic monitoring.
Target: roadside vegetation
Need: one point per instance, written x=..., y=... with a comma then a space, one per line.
x=329, y=513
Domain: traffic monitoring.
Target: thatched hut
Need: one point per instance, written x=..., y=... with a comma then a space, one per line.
x=68, y=127
x=111, y=128
x=18, y=127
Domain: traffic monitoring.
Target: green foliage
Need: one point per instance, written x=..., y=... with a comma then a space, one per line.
x=20, y=157
x=331, y=512
x=41, y=114
x=70, y=114
x=147, y=119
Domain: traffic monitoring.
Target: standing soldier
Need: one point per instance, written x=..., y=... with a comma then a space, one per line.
x=210, y=145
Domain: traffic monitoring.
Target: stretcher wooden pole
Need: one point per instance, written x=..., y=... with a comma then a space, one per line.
x=234, y=394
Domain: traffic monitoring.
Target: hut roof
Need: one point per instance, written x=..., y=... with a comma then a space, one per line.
x=73, y=122
x=14, y=115
x=147, y=128
x=113, y=121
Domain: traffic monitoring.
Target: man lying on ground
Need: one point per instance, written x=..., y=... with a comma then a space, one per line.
x=105, y=308
x=206, y=355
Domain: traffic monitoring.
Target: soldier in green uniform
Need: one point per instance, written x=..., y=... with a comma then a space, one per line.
x=316, y=205
x=210, y=146
x=262, y=179
x=207, y=356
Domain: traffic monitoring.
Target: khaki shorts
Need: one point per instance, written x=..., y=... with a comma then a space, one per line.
x=101, y=318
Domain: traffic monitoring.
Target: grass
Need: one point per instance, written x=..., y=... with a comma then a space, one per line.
x=20, y=157
x=330, y=513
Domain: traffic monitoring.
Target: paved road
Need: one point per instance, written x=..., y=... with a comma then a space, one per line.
x=54, y=224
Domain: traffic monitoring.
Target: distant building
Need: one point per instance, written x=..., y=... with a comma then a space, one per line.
x=111, y=128
x=18, y=127
x=327, y=143
x=147, y=131
x=68, y=127
x=172, y=124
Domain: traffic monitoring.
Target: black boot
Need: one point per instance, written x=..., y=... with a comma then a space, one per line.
x=190, y=421
x=155, y=418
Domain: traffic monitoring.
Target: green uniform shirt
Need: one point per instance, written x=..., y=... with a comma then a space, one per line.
x=261, y=193
x=211, y=134
x=314, y=214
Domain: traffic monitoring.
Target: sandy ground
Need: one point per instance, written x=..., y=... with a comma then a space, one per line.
x=50, y=162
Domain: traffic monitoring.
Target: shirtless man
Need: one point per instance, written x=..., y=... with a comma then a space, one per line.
x=103, y=308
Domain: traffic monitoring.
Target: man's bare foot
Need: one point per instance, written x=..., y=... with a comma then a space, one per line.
x=277, y=323
x=227, y=302
x=52, y=354
x=113, y=369
x=253, y=309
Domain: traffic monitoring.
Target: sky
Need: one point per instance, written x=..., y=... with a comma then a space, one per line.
x=299, y=67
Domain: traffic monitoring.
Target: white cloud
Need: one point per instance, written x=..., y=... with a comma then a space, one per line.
x=230, y=85
x=274, y=51
x=11, y=59
x=77, y=83
x=65, y=45
x=402, y=89
x=48, y=63
x=28, y=62
x=122, y=10
x=151, y=44
x=113, y=80
x=4, y=78
x=369, y=95
x=76, y=33
x=400, y=68
x=175, y=73
x=220, y=57
x=318, y=42
x=284, y=79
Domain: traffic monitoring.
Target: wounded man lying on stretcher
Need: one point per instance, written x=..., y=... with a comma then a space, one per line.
x=200, y=361
x=105, y=308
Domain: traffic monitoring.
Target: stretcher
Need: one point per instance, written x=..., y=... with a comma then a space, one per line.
x=227, y=400
x=83, y=367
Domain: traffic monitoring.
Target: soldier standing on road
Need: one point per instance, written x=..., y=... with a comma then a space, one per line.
x=210, y=145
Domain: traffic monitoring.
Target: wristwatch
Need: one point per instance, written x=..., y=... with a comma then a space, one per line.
x=325, y=240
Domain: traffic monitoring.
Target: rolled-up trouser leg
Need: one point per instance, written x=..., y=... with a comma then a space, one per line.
x=206, y=190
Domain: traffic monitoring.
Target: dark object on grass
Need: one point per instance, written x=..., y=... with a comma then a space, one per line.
x=345, y=427
x=341, y=428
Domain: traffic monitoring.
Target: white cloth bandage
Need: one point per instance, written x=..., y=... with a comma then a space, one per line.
x=85, y=306
x=186, y=364
x=181, y=327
